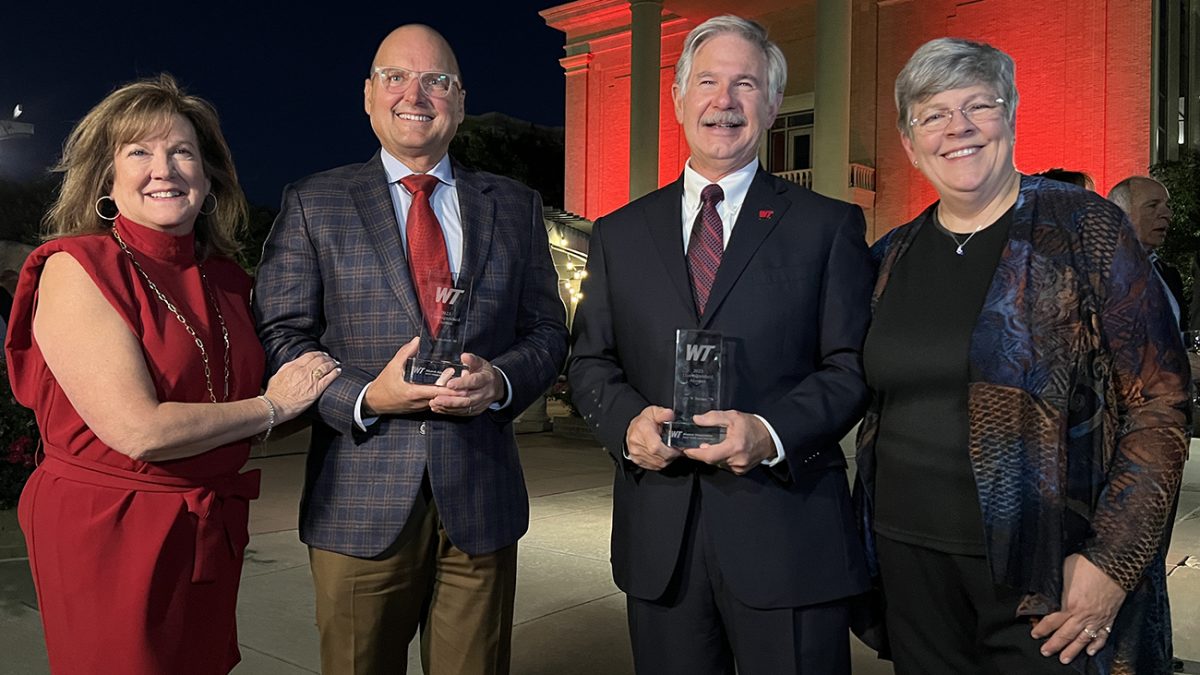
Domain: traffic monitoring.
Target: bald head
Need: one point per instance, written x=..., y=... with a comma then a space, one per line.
x=413, y=122
x=415, y=33
x=1144, y=200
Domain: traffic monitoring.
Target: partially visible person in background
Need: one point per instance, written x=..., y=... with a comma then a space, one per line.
x=131, y=338
x=1079, y=178
x=1144, y=200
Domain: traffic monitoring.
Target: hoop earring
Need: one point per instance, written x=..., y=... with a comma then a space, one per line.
x=214, y=206
x=102, y=216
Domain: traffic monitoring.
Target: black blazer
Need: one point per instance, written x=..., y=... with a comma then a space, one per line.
x=1174, y=282
x=791, y=298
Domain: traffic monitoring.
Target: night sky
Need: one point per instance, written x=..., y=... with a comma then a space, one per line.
x=286, y=82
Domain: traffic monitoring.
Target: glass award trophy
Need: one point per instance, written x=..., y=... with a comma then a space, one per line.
x=698, y=356
x=442, y=334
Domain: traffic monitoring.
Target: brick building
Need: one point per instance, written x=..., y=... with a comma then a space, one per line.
x=1097, y=78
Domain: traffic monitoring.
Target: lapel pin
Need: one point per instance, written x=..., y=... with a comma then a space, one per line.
x=764, y=214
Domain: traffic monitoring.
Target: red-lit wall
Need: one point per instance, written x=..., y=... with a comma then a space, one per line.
x=1083, y=74
x=604, y=146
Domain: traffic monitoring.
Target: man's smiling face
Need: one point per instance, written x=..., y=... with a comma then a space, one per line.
x=725, y=105
x=412, y=126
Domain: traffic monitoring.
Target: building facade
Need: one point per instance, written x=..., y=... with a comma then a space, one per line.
x=1096, y=92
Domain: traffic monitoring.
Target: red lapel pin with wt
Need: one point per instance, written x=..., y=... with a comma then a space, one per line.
x=764, y=214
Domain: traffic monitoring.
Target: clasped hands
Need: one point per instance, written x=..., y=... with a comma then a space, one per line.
x=747, y=442
x=463, y=394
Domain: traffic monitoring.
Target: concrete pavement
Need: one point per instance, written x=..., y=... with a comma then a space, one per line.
x=570, y=618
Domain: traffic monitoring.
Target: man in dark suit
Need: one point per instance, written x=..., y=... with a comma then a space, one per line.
x=1145, y=201
x=414, y=498
x=742, y=551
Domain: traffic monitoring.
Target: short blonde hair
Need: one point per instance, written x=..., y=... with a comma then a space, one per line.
x=132, y=112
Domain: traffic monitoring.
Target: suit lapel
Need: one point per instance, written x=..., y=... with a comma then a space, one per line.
x=373, y=201
x=477, y=209
x=664, y=220
x=759, y=215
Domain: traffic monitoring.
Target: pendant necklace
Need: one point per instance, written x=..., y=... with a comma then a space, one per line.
x=162, y=297
x=962, y=243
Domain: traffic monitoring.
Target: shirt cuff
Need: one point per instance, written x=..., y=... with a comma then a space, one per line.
x=501, y=405
x=779, y=453
x=359, y=420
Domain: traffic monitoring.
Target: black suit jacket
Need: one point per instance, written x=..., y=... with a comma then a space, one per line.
x=791, y=298
x=1174, y=282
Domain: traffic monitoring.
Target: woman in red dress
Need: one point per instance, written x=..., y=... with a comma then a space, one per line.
x=131, y=338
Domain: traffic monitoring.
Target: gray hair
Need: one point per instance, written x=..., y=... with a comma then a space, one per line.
x=751, y=31
x=1121, y=194
x=952, y=63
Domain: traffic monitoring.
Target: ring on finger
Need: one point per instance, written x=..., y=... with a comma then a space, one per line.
x=1108, y=630
x=317, y=373
x=1091, y=634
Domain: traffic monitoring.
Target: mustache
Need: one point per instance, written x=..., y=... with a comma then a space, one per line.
x=724, y=117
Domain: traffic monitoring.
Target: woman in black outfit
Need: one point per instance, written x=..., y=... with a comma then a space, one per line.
x=1026, y=432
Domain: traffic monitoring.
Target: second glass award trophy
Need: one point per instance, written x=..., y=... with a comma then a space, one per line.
x=442, y=334
x=698, y=356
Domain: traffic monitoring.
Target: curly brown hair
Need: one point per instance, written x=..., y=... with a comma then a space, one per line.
x=130, y=113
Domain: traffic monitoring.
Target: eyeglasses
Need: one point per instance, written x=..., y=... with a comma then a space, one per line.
x=396, y=80
x=933, y=121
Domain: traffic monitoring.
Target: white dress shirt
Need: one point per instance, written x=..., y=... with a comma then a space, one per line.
x=444, y=201
x=735, y=186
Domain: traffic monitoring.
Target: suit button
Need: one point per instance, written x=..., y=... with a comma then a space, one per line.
x=422, y=429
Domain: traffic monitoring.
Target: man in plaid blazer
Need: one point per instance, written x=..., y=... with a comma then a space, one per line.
x=413, y=498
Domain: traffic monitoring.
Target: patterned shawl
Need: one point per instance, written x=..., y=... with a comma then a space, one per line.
x=1076, y=413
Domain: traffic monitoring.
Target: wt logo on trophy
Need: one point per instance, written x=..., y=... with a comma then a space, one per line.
x=698, y=357
x=442, y=347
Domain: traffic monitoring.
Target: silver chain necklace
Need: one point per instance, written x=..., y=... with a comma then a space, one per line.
x=963, y=243
x=954, y=236
x=183, y=321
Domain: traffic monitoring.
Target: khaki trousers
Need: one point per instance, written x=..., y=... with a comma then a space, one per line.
x=368, y=610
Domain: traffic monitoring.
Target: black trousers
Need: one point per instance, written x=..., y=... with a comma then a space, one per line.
x=699, y=628
x=945, y=616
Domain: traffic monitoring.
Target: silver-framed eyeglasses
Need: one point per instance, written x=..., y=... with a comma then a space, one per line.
x=396, y=80
x=933, y=121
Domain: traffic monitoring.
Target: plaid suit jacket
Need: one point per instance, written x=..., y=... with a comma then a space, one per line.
x=334, y=277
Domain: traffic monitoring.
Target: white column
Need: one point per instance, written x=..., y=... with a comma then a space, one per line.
x=645, y=53
x=831, y=100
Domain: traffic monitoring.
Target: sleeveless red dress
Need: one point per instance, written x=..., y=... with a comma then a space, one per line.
x=136, y=564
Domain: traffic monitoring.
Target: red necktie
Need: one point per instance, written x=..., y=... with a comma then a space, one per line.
x=705, y=245
x=427, y=260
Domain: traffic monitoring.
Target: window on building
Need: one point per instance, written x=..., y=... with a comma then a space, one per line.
x=789, y=145
x=1177, y=87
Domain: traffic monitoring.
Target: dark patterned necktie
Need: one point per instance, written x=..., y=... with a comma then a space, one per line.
x=705, y=246
x=427, y=260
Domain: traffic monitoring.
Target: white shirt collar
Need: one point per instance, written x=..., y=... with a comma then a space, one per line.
x=395, y=169
x=735, y=186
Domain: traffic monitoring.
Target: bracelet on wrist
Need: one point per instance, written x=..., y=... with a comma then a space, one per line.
x=270, y=418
